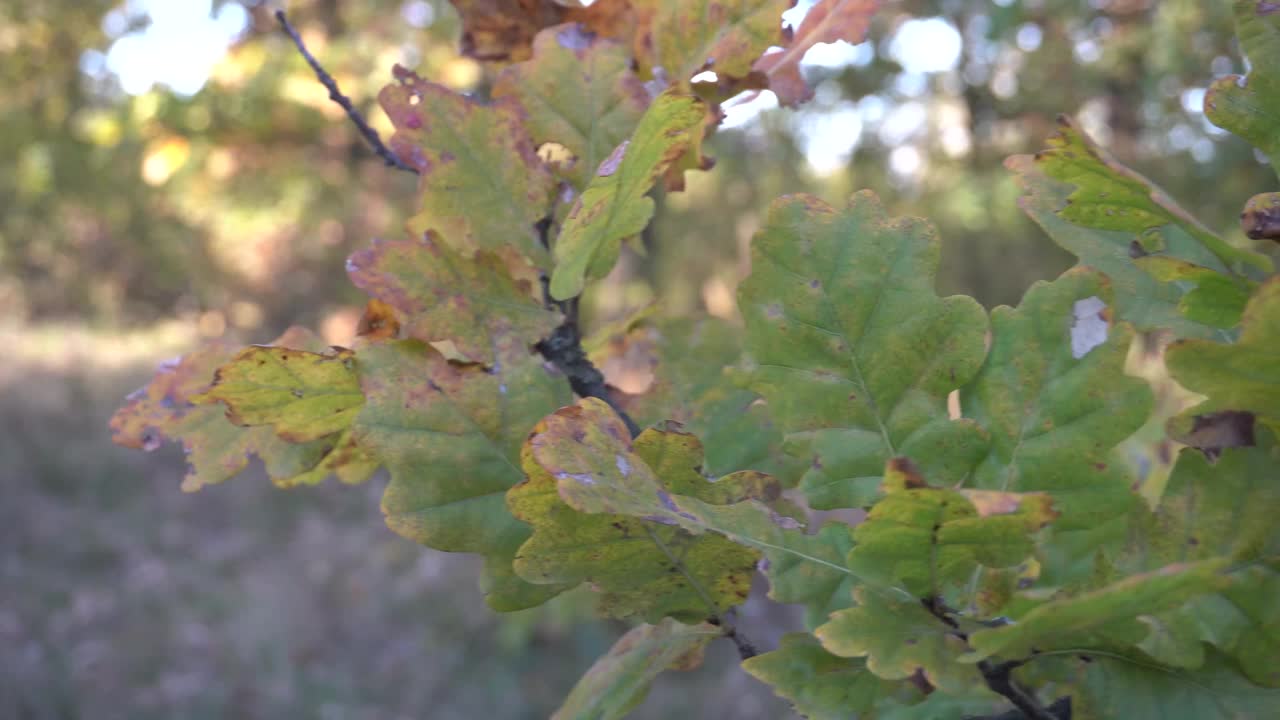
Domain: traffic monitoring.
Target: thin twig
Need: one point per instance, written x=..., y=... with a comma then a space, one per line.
x=999, y=678
x=335, y=94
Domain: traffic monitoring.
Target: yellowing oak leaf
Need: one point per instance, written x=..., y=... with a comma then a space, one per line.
x=440, y=295
x=482, y=186
x=826, y=22
x=615, y=204
x=685, y=37
x=303, y=395
x=503, y=30
x=930, y=540
x=578, y=91
x=1110, y=196
x=217, y=448
x=641, y=566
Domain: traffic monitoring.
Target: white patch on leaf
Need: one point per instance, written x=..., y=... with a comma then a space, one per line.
x=1088, y=326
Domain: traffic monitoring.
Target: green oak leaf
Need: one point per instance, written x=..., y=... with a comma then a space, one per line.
x=619, y=680
x=1217, y=300
x=1140, y=299
x=1110, y=196
x=899, y=637
x=1110, y=685
x=578, y=91
x=1108, y=615
x=304, y=395
x=1055, y=398
x=1250, y=106
x=451, y=435
x=615, y=205
x=641, y=568
x=442, y=296
x=1220, y=509
x=819, y=685
x=481, y=186
x=684, y=37
x=174, y=406
x=929, y=540
x=1243, y=376
x=854, y=351
x=821, y=587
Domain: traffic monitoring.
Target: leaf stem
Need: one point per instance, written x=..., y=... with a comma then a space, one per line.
x=335, y=94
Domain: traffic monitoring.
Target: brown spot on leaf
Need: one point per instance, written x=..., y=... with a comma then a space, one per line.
x=911, y=476
x=1213, y=432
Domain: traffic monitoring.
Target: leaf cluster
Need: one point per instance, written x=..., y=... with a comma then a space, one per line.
x=1015, y=557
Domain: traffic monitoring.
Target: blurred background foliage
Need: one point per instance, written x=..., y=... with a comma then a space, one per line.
x=170, y=170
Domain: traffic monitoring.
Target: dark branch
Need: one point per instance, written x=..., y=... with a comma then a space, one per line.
x=370, y=135
x=563, y=348
x=999, y=678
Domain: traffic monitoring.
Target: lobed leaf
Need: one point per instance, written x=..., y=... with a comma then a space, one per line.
x=1139, y=298
x=439, y=295
x=1250, y=106
x=854, y=351
x=899, y=637
x=451, y=435
x=502, y=30
x=1243, y=376
x=814, y=575
x=1057, y=403
x=615, y=205
x=1109, y=615
x=481, y=185
x=827, y=21
x=619, y=681
x=1110, y=196
x=588, y=481
x=1216, y=300
x=216, y=448
x=640, y=568
x=685, y=37
x=1118, y=685
x=819, y=685
x=304, y=395
x=1222, y=509
x=929, y=540
x=577, y=91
